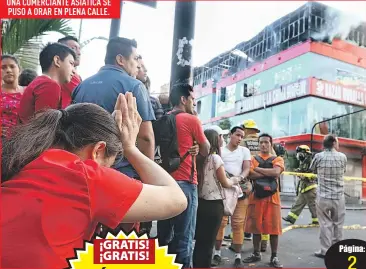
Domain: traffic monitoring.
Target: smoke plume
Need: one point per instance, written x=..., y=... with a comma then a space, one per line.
x=337, y=25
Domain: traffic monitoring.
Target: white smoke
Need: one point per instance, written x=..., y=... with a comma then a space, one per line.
x=338, y=25
x=216, y=76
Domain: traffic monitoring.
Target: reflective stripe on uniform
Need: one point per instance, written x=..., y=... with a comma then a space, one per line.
x=315, y=219
x=265, y=237
x=308, y=188
x=292, y=215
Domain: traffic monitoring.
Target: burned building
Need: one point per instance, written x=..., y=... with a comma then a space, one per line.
x=306, y=67
x=313, y=21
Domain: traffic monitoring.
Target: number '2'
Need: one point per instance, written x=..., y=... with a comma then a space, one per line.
x=352, y=263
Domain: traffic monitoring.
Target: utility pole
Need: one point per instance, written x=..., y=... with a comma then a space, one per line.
x=116, y=24
x=184, y=26
x=80, y=29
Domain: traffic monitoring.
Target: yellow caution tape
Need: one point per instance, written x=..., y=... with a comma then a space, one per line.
x=296, y=226
x=311, y=175
x=350, y=227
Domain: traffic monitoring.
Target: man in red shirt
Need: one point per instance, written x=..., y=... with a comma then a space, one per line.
x=67, y=88
x=57, y=63
x=178, y=232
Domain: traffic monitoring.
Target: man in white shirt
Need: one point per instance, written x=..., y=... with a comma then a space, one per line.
x=237, y=163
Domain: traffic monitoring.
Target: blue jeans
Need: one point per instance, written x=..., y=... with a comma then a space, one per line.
x=178, y=232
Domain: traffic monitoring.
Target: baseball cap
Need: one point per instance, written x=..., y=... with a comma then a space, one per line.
x=218, y=129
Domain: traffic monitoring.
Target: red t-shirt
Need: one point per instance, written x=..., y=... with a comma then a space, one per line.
x=55, y=203
x=40, y=94
x=189, y=129
x=66, y=90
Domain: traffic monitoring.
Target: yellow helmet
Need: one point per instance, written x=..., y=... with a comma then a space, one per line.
x=250, y=124
x=303, y=148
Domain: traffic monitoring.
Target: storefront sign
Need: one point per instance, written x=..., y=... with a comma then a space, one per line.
x=269, y=98
x=338, y=92
x=350, y=79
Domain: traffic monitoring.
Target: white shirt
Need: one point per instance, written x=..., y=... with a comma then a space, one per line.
x=233, y=160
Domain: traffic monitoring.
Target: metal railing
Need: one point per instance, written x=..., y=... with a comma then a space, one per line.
x=327, y=120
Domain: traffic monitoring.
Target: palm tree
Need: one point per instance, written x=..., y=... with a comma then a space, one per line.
x=23, y=38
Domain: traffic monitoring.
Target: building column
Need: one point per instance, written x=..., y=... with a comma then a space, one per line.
x=116, y=25
x=363, y=166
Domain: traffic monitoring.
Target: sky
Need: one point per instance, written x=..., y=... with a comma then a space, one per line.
x=220, y=25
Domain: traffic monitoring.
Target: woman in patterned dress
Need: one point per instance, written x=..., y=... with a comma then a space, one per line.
x=11, y=93
x=211, y=179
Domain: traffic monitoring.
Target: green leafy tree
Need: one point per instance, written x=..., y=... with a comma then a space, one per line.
x=23, y=37
x=225, y=124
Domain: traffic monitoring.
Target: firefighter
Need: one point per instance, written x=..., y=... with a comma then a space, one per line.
x=306, y=188
x=252, y=143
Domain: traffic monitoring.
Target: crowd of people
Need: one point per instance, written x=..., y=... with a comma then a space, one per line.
x=86, y=157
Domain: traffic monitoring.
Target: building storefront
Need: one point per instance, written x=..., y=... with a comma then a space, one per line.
x=299, y=116
x=294, y=108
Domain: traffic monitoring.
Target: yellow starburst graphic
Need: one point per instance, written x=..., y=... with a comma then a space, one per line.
x=85, y=257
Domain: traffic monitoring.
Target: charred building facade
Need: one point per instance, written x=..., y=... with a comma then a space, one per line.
x=313, y=21
x=307, y=66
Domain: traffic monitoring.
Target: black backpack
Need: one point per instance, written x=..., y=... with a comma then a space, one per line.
x=166, y=143
x=265, y=186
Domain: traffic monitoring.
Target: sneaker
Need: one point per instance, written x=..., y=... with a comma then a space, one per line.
x=237, y=263
x=275, y=262
x=253, y=258
x=216, y=260
x=319, y=254
x=227, y=237
x=232, y=248
x=248, y=237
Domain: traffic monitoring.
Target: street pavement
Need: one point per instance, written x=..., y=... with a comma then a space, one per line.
x=297, y=244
